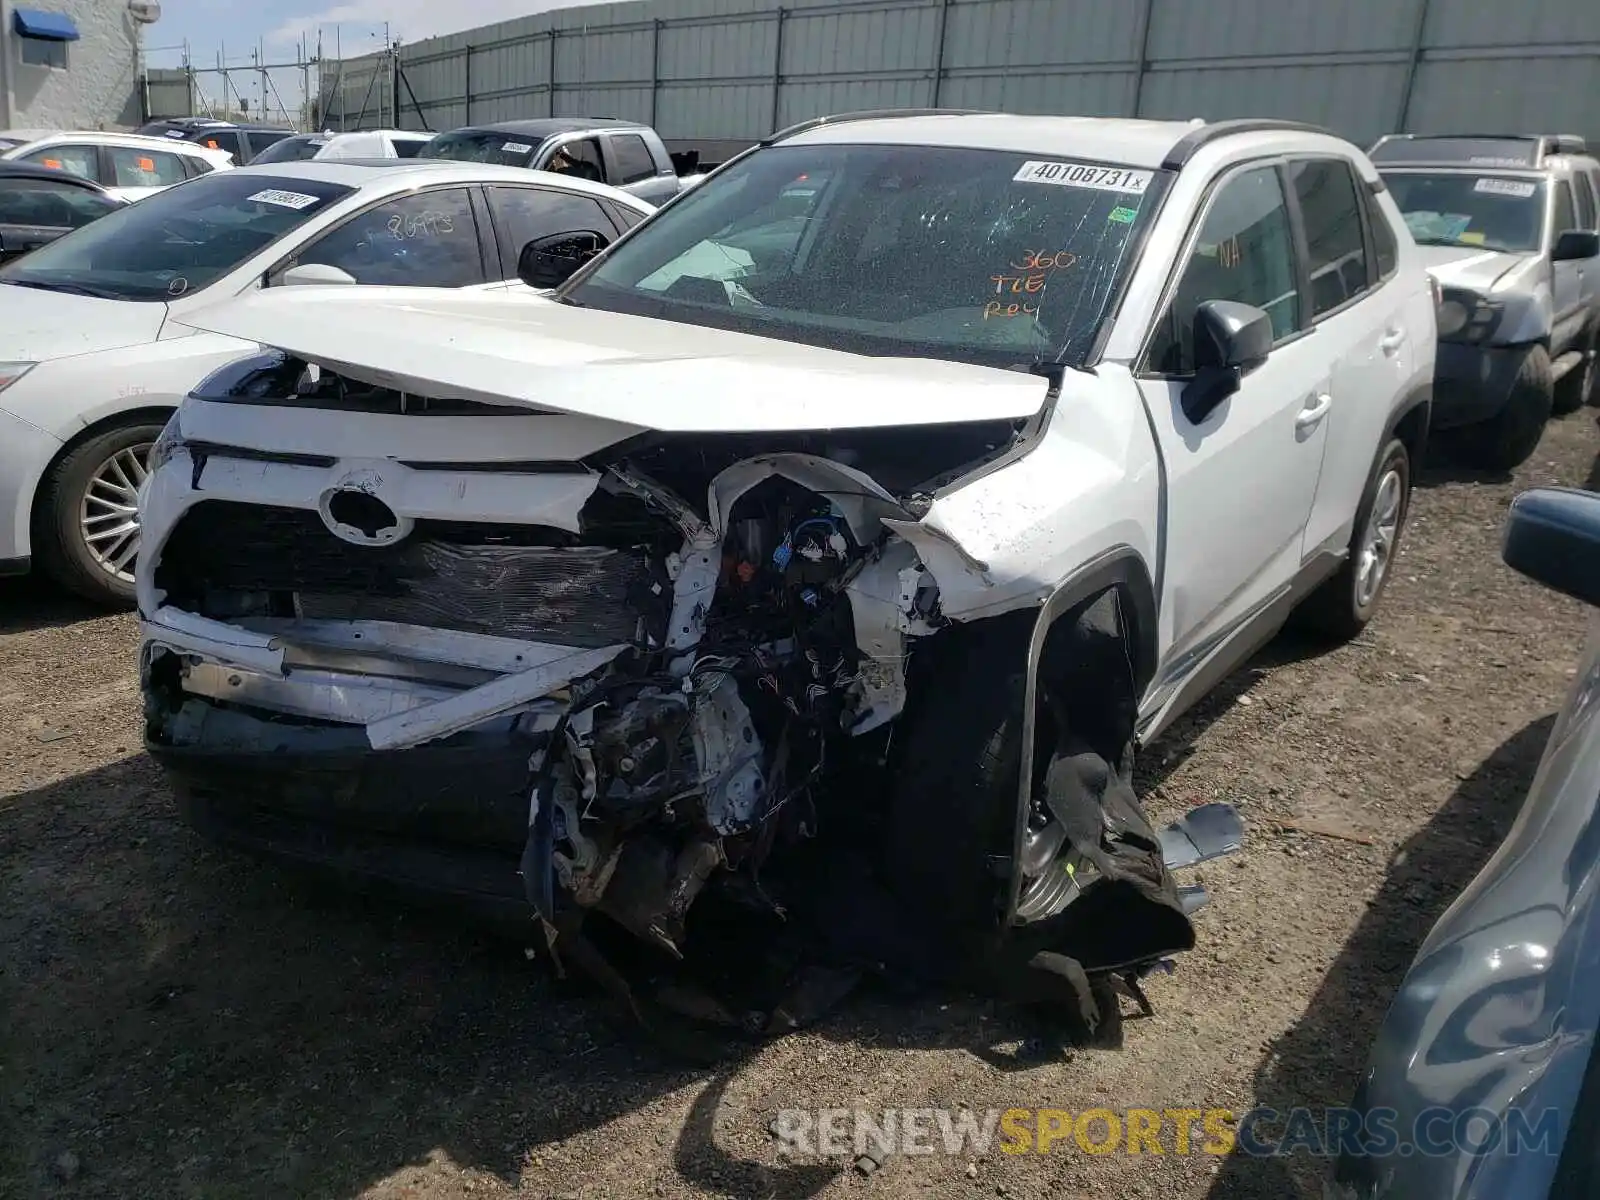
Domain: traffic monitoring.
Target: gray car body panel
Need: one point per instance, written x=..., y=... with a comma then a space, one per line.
x=1500, y=1009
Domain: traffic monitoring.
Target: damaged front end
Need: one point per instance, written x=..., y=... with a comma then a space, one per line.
x=656, y=680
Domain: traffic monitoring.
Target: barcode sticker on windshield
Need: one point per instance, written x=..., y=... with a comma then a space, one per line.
x=294, y=200
x=516, y=147
x=1505, y=187
x=1083, y=175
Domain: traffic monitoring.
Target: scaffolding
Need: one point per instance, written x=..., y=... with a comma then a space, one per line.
x=250, y=89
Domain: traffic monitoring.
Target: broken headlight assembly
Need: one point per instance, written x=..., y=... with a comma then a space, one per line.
x=166, y=445
x=1465, y=316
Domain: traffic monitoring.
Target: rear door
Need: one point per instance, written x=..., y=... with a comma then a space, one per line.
x=1360, y=321
x=1240, y=482
x=1567, y=278
x=522, y=214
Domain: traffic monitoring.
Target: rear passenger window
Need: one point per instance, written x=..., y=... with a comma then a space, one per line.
x=1384, y=248
x=1566, y=216
x=1244, y=252
x=633, y=158
x=1330, y=207
x=1586, y=201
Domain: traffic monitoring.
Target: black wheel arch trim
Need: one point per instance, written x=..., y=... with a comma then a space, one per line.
x=1122, y=568
x=1419, y=397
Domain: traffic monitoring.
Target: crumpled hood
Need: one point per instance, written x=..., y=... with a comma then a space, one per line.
x=634, y=370
x=1479, y=270
x=36, y=325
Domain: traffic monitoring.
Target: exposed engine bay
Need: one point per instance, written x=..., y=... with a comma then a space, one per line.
x=703, y=700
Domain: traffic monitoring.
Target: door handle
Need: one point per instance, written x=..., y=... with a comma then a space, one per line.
x=1310, y=416
x=1391, y=341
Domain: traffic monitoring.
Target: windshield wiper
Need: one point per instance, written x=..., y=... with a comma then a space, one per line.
x=70, y=289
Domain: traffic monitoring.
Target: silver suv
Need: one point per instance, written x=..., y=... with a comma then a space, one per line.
x=1510, y=230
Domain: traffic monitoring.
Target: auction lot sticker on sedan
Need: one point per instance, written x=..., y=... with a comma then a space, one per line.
x=1084, y=175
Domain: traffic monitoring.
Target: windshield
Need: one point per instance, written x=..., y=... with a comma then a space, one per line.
x=974, y=255
x=290, y=149
x=483, y=146
x=177, y=241
x=1456, y=208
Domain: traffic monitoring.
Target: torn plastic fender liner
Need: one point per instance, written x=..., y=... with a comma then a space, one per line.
x=860, y=498
x=468, y=708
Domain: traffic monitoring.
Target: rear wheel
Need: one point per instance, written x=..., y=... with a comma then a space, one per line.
x=87, y=517
x=1342, y=606
x=1506, y=440
x=1578, y=386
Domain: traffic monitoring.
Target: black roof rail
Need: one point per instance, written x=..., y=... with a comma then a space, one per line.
x=1191, y=143
x=872, y=114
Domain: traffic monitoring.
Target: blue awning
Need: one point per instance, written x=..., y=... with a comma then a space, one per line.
x=48, y=26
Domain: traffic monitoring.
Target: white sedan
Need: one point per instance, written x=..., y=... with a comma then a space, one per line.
x=127, y=165
x=95, y=355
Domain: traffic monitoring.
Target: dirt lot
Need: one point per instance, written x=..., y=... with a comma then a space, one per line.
x=176, y=1021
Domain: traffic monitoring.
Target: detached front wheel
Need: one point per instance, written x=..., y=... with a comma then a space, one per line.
x=86, y=528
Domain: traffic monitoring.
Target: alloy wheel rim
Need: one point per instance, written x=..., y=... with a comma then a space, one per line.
x=108, y=513
x=1378, y=539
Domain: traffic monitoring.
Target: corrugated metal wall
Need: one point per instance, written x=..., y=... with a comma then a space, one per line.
x=735, y=69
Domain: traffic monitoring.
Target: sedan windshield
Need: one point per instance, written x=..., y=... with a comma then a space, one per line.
x=973, y=255
x=1456, y=208
x=178, y=241
x=483, y=146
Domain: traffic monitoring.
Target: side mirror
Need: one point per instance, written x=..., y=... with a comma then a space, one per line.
x=1576, y=243
x=1552, y=535
x=305, y=273
x=550, y=261
x=1230, y=340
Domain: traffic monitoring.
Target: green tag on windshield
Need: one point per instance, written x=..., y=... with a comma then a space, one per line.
x=1124, y=216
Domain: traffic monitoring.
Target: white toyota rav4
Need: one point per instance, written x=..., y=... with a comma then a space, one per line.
x=811, y=562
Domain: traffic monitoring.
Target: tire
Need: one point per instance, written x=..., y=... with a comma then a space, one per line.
x=953, y=798
x=1505, y=441
x=1341, y=607
x=1580, y=386
x=85, y=489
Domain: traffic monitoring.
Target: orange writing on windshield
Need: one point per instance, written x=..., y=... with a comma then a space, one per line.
x=996, y=309
x=1040, y=260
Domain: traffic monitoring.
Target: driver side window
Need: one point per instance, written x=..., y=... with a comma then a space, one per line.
x=1245, y=253
x=427, y=239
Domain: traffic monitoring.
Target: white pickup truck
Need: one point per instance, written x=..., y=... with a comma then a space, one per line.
x=868, y=506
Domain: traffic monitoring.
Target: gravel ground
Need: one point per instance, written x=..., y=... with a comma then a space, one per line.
x=176, y=1021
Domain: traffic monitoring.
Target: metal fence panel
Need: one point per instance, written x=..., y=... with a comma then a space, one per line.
x=732, y=69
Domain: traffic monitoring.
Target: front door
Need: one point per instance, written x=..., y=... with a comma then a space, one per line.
x=1240, y=482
